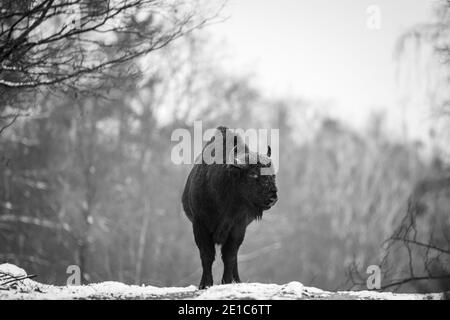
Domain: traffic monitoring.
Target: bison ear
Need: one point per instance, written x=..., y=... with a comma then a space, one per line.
x=269, y=151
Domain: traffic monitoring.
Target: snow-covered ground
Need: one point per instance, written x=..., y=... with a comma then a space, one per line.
x=29, y=289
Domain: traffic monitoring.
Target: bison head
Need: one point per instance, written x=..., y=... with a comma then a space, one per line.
x=256, y=178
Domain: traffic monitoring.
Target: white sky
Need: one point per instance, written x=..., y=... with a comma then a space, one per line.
x=321, y=49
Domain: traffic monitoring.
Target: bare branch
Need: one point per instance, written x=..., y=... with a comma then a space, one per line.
x=9, y=124
x=38, y=47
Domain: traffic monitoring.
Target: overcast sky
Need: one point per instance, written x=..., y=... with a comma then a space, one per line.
x=321, y=49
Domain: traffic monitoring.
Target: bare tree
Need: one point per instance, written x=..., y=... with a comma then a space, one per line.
x=418, y=251
x=424, y=234
x=434, y=35
x=74, y=45
x=50, y=41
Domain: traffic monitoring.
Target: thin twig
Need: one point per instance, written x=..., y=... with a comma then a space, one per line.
x=404, y=281
x=10, y=123
x=16, y=279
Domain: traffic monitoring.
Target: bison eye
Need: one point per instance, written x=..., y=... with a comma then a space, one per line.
x=253, y=175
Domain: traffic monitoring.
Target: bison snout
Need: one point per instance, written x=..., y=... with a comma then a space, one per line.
x=272, y=199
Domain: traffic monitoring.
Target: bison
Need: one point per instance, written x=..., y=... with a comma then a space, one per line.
x=221, y=199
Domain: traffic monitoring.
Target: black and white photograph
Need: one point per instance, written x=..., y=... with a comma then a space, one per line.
x=226, y=150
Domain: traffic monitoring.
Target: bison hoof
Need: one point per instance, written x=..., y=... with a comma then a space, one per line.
x=203, y=286
x=205, y=283
x=228, y=281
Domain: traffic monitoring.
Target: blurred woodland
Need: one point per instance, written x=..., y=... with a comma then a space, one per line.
x=86, y=176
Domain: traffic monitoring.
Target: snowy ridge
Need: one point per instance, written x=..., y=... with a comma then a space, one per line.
x=29, y=289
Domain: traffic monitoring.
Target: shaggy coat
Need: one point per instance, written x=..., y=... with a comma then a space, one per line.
x=221, y=199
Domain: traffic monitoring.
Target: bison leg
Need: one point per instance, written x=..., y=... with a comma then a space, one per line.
x=205, y=244
x=229, y=256
x=236, y=273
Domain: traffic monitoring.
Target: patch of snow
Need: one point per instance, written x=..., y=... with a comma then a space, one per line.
x=373, y=295
x=12, y=270
x=292, y=290
x=29, y=289
x=312, y=290
x=240, y=291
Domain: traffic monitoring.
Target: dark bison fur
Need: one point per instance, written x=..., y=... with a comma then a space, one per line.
x=221, y=199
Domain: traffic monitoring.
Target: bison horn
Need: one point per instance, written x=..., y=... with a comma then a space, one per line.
x=233, y=160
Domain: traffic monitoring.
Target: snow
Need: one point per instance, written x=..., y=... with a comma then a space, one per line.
x=292, y=290
x=393, y=296
x=30, y=289
x=12, y=269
